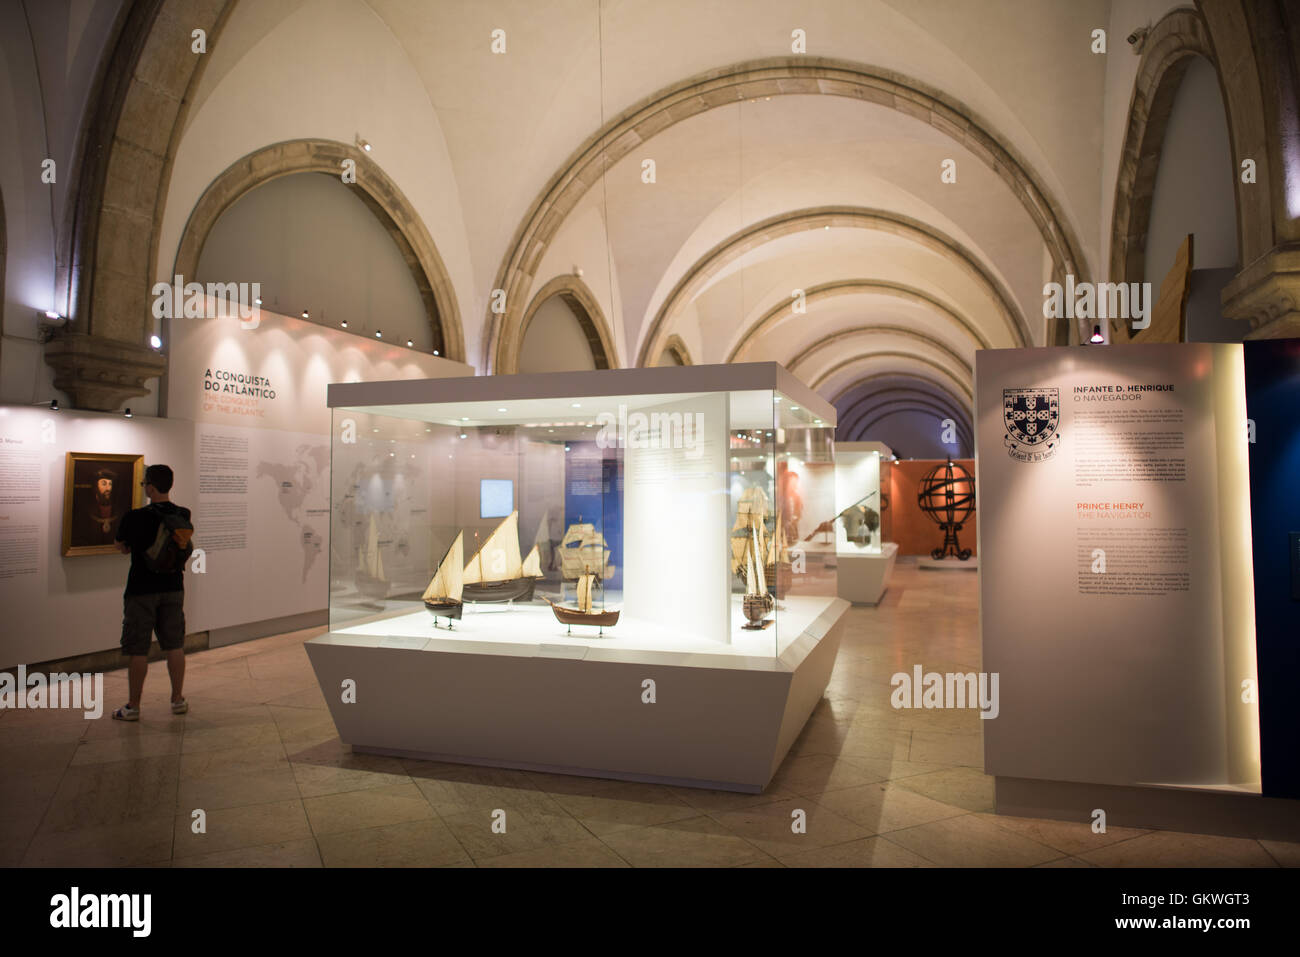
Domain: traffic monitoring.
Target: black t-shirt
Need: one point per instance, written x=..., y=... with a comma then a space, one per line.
x=139, y=529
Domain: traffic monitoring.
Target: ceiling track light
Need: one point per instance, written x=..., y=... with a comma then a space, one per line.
x=306, y=314
x=54, y=405
x=1097, y=338
x=379, y=333
x=128, y=412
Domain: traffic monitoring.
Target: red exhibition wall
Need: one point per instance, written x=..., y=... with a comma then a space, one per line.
x=904, y=522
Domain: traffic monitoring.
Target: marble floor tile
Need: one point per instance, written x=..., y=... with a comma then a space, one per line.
x=142, y=840
x=692, y=842
x=233, y=760
x=373, y=807
x=772, y=827
x=968, y=788
x=486, y=834
x=101, y=795
x=1177, y=849
x=626, y=805
x=1286, y=853
x=865, y=852
x=1069, y=837
x=972, y=841
x=886, y=807
x=227, y=829
x=299, y=853
x=424, y=843
x=216, y=792
x=590, y=852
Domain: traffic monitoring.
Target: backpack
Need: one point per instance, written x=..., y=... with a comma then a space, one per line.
x=172, y=546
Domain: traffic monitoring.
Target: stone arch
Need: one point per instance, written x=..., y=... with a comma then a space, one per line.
x=936, y=398
x=774, y=76
x=677, y=347
x=374, y=188
x=862, y=427
x=850, y=287
x=1167, y=51
x=586, y=310
x=836, y=338
x=945, y=373
x=804, y=220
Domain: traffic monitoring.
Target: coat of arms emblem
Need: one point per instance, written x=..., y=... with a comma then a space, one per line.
x=1031, y=417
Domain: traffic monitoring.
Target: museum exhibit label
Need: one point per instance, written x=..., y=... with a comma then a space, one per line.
x=1116, y=582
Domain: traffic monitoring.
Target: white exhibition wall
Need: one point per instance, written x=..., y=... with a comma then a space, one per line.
x=252, y=462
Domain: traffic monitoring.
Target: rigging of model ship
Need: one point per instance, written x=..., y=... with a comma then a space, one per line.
x=582, y=549
x=443, y=596
x=370, y=566
x=583, y=613
x=496, y=573
x=750, y=537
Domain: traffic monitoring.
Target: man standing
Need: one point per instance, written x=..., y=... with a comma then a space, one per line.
x=155, y=597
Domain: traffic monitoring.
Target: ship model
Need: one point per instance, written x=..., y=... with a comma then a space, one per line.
x=370, y=566
x=443, y=596
x=582, y=549
x=496, y=573
x=583, y=613
x=777, y=567
x=757, y=603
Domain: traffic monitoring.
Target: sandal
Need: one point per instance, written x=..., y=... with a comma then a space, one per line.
x=180, y=707
x=127, y=713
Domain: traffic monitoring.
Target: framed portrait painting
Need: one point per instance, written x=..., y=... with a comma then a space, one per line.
x=98, y=489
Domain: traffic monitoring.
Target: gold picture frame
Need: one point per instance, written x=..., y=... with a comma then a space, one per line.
x=94, y=500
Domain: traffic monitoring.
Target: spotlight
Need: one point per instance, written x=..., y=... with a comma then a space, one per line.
x=379, y=333
x=364, y=144
x=305, y=314
x=410, y=342
x=257, y=301
x=345, y=323
x=464, y=435
x=128, y=412
x=435, y=352
x=1096, y=335
x=54, y=405
x=155, y=342
x=50, y=314
x=566, y=448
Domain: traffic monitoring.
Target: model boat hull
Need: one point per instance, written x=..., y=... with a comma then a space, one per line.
x=512, y=589
x=572, y=616
x=450, y=609
x=779, y=577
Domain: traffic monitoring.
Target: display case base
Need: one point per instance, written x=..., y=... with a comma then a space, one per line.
x=1227, y=810
x=650, y=716
x=864, y=578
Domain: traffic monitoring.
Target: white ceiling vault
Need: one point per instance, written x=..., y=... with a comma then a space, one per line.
x=816, y=187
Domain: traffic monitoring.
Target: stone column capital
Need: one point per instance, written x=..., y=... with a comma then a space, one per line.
x=100, y=373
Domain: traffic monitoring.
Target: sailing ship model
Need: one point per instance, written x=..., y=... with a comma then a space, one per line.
x=582, y=549
x=776, y=567
x=496, y=573
x=583, y=613
x=370, y=565
x=443, y=596
x=757, y=602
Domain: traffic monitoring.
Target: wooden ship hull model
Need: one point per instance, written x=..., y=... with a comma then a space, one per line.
x=498, y=556
x=443, y=597
x=581, y=549
x=370, y=578
x=777, y=569
x=583, y=613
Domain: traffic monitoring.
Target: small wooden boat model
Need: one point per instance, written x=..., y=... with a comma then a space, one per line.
x=496, y=573
x=584, y=614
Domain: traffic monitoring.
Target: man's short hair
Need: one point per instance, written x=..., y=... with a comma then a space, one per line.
x=160, y=477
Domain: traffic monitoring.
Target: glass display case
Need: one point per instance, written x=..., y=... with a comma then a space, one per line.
x=523, y=563
x=655, y=521
x=865, y=561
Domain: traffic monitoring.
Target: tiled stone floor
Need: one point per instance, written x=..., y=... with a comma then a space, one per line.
x=259, y=754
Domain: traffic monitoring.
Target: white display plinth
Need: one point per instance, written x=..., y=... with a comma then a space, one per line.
x=864, y=577
x=720, y=718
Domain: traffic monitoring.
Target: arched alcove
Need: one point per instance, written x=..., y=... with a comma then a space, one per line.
x=563, y=329
x=313, y=245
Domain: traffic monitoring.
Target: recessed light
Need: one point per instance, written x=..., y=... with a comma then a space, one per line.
x=464, y=435
x=794, y=408
x=503, y=409
x=576, y=405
